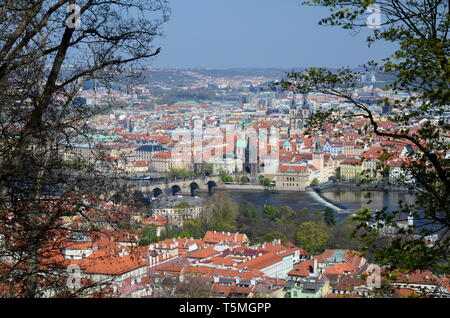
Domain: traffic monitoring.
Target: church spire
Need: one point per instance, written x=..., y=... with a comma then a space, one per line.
x=293, y=102
x=305, y=101
x=318, y=148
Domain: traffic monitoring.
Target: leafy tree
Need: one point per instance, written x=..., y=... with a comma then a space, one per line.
x=269, y=237
x=266, y=182
x=271, y=211
x=179, y=173
x=315, y=181
x=182, y=205
x=220, y=213
x=312, y=236
x=420, y=65
x=224, y=176
x=192, y=228
x=308, y=215
x=206, y=169
x=328, y=217
x=44, y=63
x=149, y=234
x=341, y=236
x=247, y=220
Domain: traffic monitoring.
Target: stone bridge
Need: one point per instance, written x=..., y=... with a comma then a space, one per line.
x=177, y=186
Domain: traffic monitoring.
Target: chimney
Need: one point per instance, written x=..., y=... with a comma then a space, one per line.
x=314, y=265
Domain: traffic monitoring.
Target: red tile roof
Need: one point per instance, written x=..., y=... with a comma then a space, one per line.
x=302, y=269
x=204, y=253
x=261, y=262
x=224, y=237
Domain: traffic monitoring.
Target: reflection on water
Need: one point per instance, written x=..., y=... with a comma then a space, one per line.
x=355, y=199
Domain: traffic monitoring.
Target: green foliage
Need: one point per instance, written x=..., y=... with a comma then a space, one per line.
x=341, y=236
x=266, y=182
x=328, y=217
x=148, y=235
x=315, y=182
x=179, y=173
x=192, y=228
x=271, y=212
x=312, y=236
x=221, y=212
x=269, y=237
x=75, y=164
x=206, y=169
x=182, y=205
x=224, y=176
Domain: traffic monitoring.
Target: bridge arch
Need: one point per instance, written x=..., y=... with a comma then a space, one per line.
x=193, y=186
x=138, y=195
x=157, y=192
x=175, y=189
x=211, y=184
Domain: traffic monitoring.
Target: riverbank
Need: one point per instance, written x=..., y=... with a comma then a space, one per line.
x=244, y=187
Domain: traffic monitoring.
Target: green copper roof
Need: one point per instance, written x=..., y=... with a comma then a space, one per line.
x=337, y=257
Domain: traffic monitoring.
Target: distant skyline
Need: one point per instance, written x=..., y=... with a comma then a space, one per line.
x=217, y=34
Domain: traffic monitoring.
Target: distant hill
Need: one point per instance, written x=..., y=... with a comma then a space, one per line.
x=244, y=72
x=174, y=78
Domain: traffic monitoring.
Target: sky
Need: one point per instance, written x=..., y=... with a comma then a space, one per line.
x=220, y=34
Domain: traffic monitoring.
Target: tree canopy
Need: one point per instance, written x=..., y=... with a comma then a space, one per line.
x=47, y=54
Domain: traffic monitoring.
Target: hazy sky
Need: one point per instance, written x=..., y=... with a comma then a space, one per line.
x=258, y=33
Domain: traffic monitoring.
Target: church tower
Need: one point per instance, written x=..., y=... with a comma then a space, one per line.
x=296, y=118
x=306, y=106
x=318, y=158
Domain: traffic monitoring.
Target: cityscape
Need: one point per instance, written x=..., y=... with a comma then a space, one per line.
x=134, y=181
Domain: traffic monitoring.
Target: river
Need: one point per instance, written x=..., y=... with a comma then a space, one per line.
x=346, y=198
